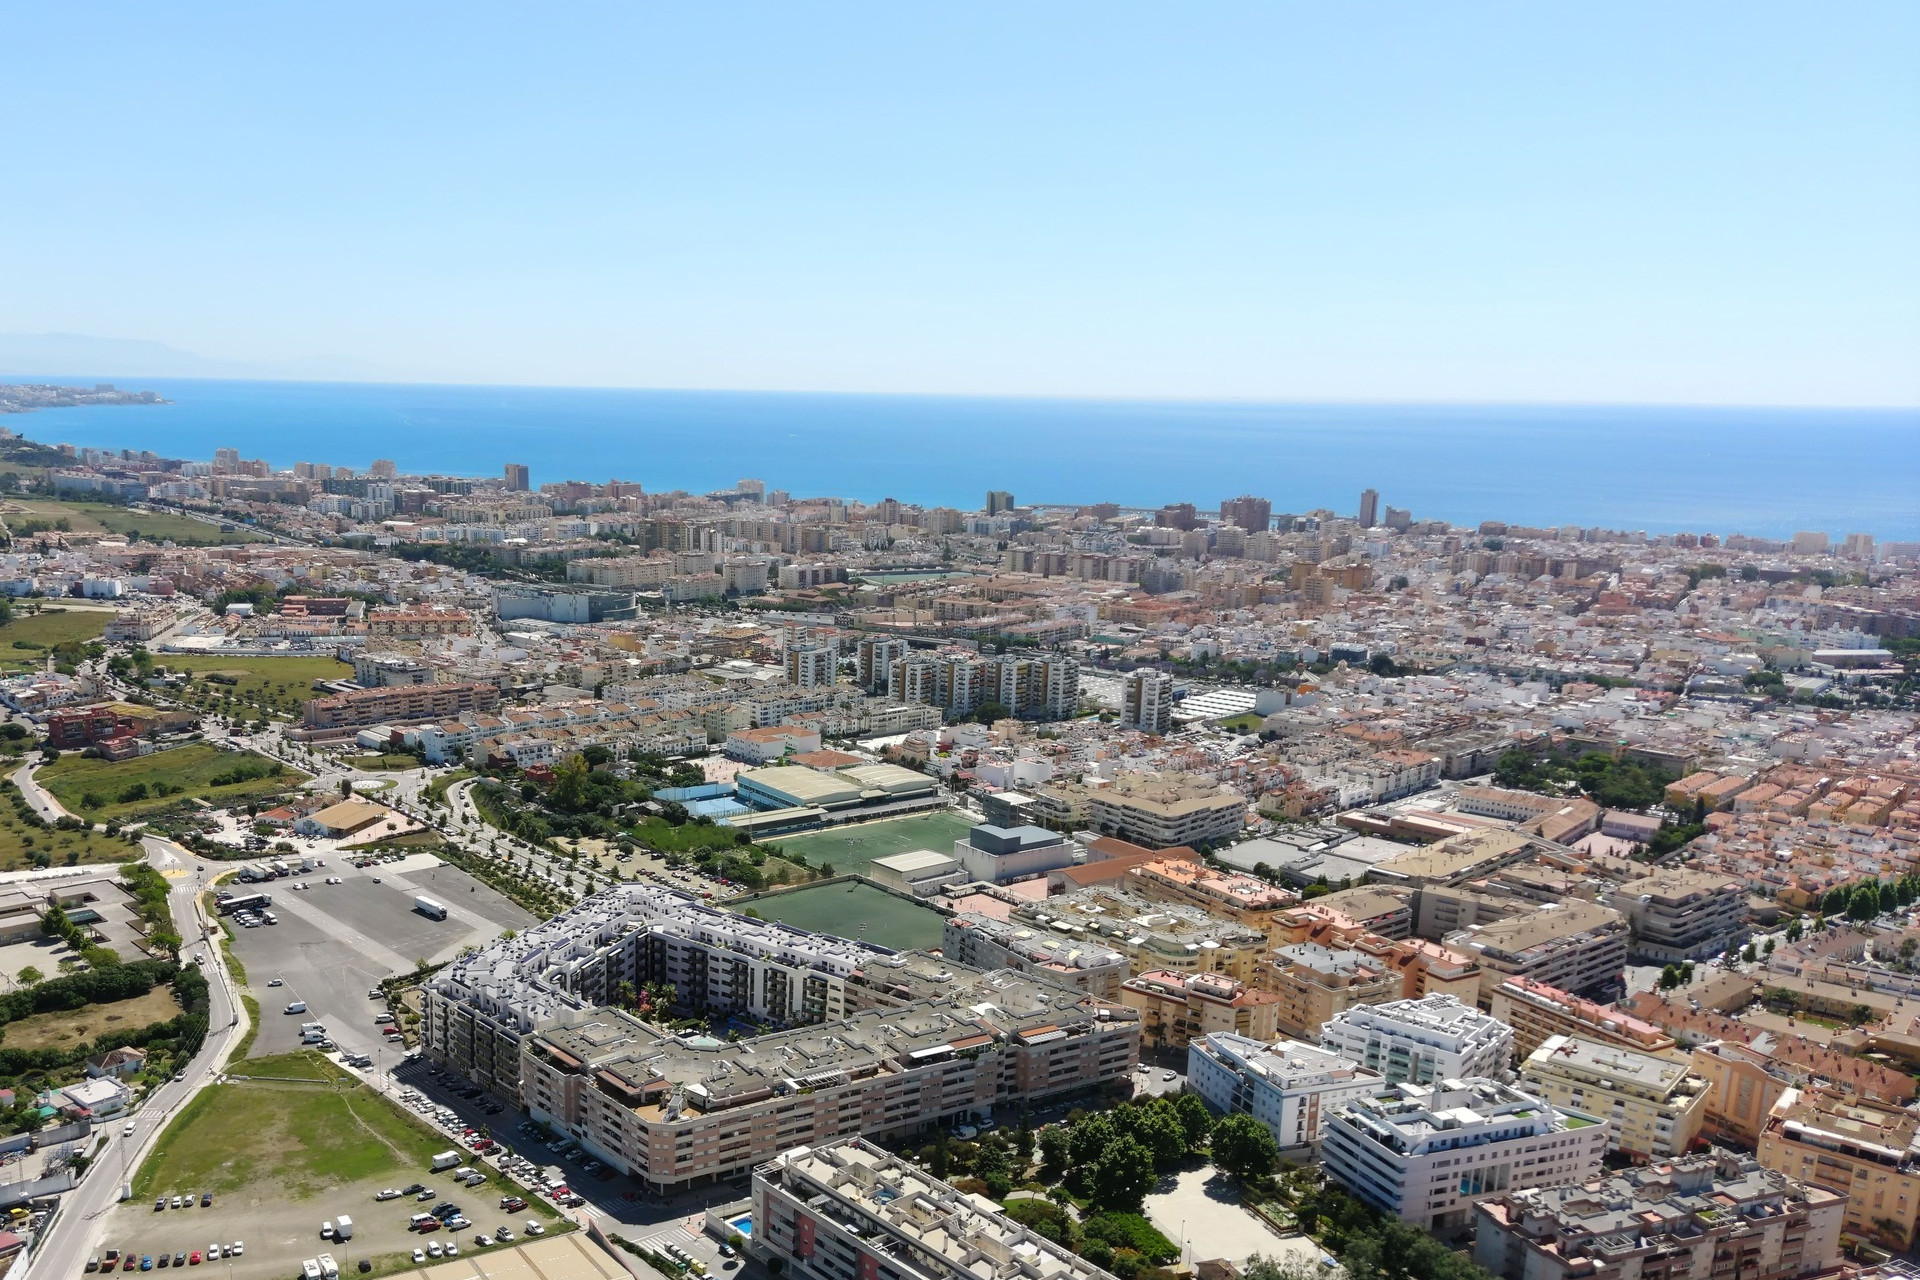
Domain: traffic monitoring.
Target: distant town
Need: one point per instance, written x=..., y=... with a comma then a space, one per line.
x=26, y=397
x=856, y=889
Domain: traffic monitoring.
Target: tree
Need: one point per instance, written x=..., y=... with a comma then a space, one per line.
x=1195, y=1118
x=31, y=975
x=1244, y=1147
x=1669, y=978
x=1089, y=1137
x=1053, y=1147
x=1122, y=1176
x=1795, y=931
x=570, y=781
x=1158, y=1128
x=988, y=712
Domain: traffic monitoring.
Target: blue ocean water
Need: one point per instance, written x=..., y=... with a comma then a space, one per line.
x=1767, y=472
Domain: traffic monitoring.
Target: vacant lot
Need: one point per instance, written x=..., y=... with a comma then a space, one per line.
x=25, y=640
x=850, y=849
x=234, y=686
x=25, y=514
x=286, y=1139
x=391, y=760
x=66, y=1027
x=24, y=843
x=103, y=789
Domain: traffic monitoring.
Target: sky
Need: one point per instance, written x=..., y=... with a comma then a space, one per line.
x=1654, y=203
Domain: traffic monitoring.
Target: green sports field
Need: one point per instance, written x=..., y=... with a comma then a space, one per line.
x=851, y=848
x=855, y=910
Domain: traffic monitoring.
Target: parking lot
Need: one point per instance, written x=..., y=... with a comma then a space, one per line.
x=334, y=942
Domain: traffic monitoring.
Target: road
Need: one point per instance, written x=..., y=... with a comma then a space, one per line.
x=63, y=1251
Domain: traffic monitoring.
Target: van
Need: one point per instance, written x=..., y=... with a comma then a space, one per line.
x=445, y=1160
x=329, y=1269
x=300, y=1006
x=310, y=1269
x=417, y=1219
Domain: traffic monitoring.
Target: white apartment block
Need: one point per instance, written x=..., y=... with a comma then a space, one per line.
x=1427, y=1153
x=1289, y=1086
x=1433, y=1038
x=812, y=666
x=1146, y=701
x=851, y=1211
x=1654, y=1105
x=989, y=943
x=1683, y=915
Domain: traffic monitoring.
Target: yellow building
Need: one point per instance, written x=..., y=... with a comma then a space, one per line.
x=1654, y=1106
x=1855, y=1145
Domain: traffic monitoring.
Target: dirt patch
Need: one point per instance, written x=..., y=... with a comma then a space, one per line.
x=65, y=1028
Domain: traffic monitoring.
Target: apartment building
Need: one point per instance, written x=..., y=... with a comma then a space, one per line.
x=1698, y=1216
x=1165, y=809
x=1290, y=1087
x=848, y=1210
x=986, y=942
x=1428, y=1153
x=1866, y=1149
x=1315, y=984
x=418, y=624
x=1435, y=1038
x=1575, y=945
x=1146, y=701
x=1654, y=1106
x=1683, y=915
x=876, y=1041
x=1167, y=936
x=1537, y=1012
x=1742, y=1086
x=875, y=656
x=401, y=704
x=1243, y=899
x=1176, y=1007
x=812, y=666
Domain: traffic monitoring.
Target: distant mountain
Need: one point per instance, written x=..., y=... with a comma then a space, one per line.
x=82, y=355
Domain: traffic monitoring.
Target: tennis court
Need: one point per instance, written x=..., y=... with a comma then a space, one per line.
x=851, y=848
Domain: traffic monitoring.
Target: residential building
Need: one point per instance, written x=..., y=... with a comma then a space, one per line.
x=1742, y=1086
x=848, y=1210
x=1154, y=936
x=1316, y=984
x=1435, y=1038
x=517, y=477
x=1254, y=515
x=1681, y=915
x=402, y=704
x=1699, y=1216
x=1427, y=1154
x=1537, y=1012
x=908, y=1039
x=1176, y=1007
x=1162, y=809
x=764, y=746
x=1654, y=1106
x=1290, y=1087
x=986, y=942
x=1243, y=899
x=812, y=666
x=1867, y=1149
x=1146, y=701
x=1369, y=508
x=1575, y=945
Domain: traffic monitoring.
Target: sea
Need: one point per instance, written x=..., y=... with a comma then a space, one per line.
x=1768, y=472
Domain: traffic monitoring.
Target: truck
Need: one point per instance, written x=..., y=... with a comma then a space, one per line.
x=329, y=1269
x=310, y=1269
x=343, y=1228
x=445, y=1160
x=430, y=909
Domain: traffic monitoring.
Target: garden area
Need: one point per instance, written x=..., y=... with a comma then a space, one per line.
x=249, y=688
x=27, y=841
x=104, y=790
x=1613, y=784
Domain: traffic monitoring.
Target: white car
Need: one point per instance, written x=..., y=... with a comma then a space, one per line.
x=452, y=1249
x=276, y=982
x=434, y=1250
x=236, y=1249
x=419, y=1255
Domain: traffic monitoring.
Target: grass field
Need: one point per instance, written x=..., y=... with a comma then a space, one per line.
x=129, y=787
x=850, y=849
x=105, y=518
x=244, y=686
x=64, y=1028
x=1245, y=722
x=391, y=760
x=24, y=844
x=855, y=910
x=300, y=1138
x=25, y=640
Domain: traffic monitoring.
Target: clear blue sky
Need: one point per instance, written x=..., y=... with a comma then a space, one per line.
x=1687, y=202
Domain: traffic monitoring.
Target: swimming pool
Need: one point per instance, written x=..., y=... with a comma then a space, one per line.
x=743, y=1224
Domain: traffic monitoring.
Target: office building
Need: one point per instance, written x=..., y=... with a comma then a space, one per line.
x=517, y=478
x=999, y=502
x=985, y=942
x=1718, y=1215
x=1867, y=1149
x=1176, y=1007
x=1146, y=701
x=1290, y=1087
x=874, y=1041
x=1369, y=508
x=1436, y=1038
x=1683, y=915
x=849, y=1210
x=1654, y=1106
x=1427, y=1154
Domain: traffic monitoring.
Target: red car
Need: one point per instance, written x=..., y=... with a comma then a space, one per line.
x=193, y=1259
x=430, y=1224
